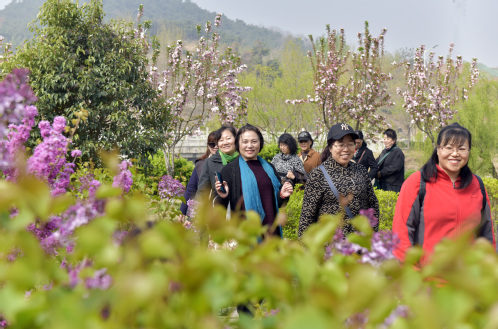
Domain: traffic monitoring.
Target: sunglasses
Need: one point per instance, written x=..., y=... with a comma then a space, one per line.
x=212, y=145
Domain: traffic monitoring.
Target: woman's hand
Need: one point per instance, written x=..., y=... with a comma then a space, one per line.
x=290, y=174
x=286, y=190
x=217, y=186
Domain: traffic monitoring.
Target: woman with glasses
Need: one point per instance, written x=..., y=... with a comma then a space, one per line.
x=443, y=199
x=192, y=186
x=338, y=184
x=391, y=164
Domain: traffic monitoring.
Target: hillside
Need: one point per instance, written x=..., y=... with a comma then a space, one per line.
x=183, y=15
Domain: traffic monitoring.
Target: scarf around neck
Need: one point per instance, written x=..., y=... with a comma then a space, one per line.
x=225, y=158
x=250, y=191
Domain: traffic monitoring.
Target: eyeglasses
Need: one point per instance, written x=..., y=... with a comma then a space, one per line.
x=462, y=150
x=212, y=145
x=343, y=146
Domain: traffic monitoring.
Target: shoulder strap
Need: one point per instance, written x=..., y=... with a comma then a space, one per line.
x=385, y=155
x=421, y=191
x=483, y=191
x=334, y=190
x=362, y=155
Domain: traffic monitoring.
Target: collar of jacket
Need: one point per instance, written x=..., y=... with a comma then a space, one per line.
x=332, y=164
x=441, y=174
x=310, y=154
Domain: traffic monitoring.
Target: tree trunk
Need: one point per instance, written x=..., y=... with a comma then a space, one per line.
x=169, y=160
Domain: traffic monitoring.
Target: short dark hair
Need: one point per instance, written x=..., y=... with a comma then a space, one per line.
x=391, y=133
x=223, y=128
x=290, y=141
x=452, y=134
x=249, y=127
x=360, y=134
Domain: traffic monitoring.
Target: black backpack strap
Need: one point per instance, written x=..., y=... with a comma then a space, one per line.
x=421, y=191
x=483, y=191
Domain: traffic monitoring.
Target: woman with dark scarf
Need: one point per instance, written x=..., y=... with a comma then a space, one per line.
x=251, y=183
x=225, y=154
x=391, y=164
x=364, y=156
x=288, y=165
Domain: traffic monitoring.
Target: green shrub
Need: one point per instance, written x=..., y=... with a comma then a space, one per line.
x=387, y=204
x=183, y=170
x=269, y=151
x=293, y=209
x=408, y=173
x=491, y=185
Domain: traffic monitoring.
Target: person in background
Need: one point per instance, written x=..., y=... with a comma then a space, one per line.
x=251, y=183
x=353, y=186
x=443, y=199
x=391, y=164
x=364, y=156
x=288, y=165
x=226, y=153
x=308, y=155
x=192, y=186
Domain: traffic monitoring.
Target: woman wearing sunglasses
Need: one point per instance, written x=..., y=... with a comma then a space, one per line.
x=192, y=186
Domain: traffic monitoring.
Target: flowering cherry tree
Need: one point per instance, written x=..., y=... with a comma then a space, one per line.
x=349, y=87
x=196, y=85
x=433, y=89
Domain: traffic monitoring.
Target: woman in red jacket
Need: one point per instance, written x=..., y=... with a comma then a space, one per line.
x=454, y=201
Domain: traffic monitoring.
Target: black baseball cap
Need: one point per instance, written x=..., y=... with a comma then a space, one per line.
x=339, y=130
x=304, y=136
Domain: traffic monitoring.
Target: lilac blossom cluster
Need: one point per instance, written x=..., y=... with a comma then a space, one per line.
x=170, y=188
x=364, y=92
x=15, y=95
x=124, y=179
x=100, y=279
x=192, y=208
x=383, y=244
x=432, y=90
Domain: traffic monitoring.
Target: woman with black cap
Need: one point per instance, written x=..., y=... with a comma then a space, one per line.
x=308, y=155
x=364, y=156
x=338, y=184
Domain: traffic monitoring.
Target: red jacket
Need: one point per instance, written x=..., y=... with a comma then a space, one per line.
x=445, y=212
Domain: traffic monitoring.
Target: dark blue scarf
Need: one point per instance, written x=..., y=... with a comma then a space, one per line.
x=250, y=191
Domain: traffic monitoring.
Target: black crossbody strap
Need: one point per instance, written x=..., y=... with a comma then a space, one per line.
x=334, y=190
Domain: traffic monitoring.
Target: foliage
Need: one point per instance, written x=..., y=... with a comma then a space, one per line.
x=293, y=210
x=196, y=84
x=433, y=90
x=78, y=62
x=269, y=151
x=349, y=87
x=479, y=114
x=183, y=167
x=387, y=205
x=491, y=185
x=271, y=85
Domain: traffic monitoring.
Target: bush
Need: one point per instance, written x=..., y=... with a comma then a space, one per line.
x=491, y=185
x=293, y=210
x=269, y=151
x=183, y=167
x=387, y=204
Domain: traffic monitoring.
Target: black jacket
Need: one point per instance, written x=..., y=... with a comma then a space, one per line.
x=231, y=175
x=206, y=180
x=367, y=160
x=392, y=169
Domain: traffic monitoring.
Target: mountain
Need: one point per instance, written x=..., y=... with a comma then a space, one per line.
x=183, y=15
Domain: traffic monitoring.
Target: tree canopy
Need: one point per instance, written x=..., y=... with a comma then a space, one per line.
x=79, y=62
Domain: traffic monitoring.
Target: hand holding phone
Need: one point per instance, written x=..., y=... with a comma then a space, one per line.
x=220, y=179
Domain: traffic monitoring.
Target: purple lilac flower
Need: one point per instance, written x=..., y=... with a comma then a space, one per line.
x=169, y=187
x=3, y=322
x=402, y=311
x=89, y=183
x=75, y=153
x=192, y=208
x=100, y=280
x=118, y=237
x=124, y=179
x=370, y=214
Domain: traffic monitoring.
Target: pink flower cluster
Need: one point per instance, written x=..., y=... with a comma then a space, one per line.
x=432, y=89
x=363, y=94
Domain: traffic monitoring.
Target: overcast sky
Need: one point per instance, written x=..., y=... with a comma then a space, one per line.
x=472, y=25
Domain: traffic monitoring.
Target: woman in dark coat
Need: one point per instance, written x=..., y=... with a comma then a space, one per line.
x=391, y=164
x=288, y=165
x=192, y=186
x=251, y=183
x=364, y=156
x=350, y=179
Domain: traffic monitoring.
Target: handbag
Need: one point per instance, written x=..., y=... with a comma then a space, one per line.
x=376, y=183
x=334, y=190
